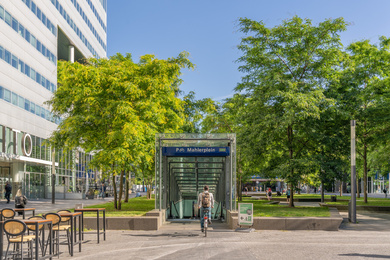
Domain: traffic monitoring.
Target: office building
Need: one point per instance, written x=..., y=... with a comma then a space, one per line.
x=34, y=35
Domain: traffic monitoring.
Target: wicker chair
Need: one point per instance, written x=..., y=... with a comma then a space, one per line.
x=7, y=213
x=32, y=229
x=57, y=228
x=15, y=231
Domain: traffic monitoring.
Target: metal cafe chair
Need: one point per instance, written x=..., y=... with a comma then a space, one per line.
x=8, y=213
x=57, y=228
x=32, y=229
x=15, y=231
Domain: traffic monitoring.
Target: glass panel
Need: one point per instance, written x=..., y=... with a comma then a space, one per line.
x=1, y=53
x=21, y=102
x=1, y=92
x=21, y=30
x=32, y=74
x=27, y=35
x=1, y=12
x=7, y=95
x=8, y=18
x=27, y=70
x=14, y=99
x=27, y=105
x=7, y=56
x=15, y=24
x=21, y=66
x=32, y=107
x=15, y=61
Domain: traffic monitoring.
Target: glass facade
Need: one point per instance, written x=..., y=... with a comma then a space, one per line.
x=23, y=32
x=75, y=28
x=41, y=16
x=20, y=65
x=73, y=173
x=24, y=103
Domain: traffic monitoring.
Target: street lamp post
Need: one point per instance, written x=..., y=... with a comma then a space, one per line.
x=352, y=211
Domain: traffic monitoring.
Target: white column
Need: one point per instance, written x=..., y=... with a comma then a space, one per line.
x=71, y=53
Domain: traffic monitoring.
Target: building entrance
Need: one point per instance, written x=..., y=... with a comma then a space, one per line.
x=185, y=163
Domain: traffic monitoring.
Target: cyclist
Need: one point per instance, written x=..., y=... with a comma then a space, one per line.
x=205, y=201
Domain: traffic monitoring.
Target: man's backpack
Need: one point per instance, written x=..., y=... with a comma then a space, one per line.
x=206, y=203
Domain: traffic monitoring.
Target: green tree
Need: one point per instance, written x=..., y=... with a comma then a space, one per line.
x=367, y=76
x=287, y=68
x=114, y=107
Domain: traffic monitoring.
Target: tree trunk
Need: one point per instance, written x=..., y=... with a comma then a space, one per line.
x=127, y=186
x=115, y=195
x=149, y=192
x=341, y=188
x=120, y=190
x=291, y=156
x=322, y=192
x=239, y=188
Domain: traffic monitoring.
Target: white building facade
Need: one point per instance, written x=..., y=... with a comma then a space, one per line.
x=34, y=35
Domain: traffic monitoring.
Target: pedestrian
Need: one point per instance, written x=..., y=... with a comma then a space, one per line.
x=8, y=189
x=103, y=191
x=20, y=201
x=288, y=195
x=385, y=192
x=269, y=194
x=205, y=202
x=246, y=190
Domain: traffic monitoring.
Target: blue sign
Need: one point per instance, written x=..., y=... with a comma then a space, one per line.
x=196, y=151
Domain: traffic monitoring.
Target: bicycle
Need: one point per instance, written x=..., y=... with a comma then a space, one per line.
x=205, y=220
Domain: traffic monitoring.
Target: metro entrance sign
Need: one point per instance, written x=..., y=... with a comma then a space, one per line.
x=196, y=151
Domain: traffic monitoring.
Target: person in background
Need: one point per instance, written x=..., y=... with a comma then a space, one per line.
x=288, y=195
x=102, y=191
x=20, y=201
x=8, y=189
x=269, y=194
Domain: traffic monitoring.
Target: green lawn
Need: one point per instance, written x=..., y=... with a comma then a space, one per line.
x=360, y=201
x=135, y=207
x=261, y=208
x=139, y=207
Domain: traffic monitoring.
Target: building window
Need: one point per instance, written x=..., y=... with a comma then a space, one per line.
x=7, y=18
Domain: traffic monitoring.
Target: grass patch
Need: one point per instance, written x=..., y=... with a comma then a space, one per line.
x=360, y=202
x=135, y=207
x=262, y=209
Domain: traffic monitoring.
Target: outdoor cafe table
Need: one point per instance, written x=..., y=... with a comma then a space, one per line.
x=73, y=229
x=37, y=223
x=31, y=222
x=97, y=210
x=23, y=210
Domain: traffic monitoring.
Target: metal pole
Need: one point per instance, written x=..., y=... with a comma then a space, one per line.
x=53, y=176
x=160, y=188
x=353, y=173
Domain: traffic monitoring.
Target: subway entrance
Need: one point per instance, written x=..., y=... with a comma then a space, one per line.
x=185, y=163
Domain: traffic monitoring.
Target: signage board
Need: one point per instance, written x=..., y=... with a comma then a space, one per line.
x=245, y=214
x=196, y=151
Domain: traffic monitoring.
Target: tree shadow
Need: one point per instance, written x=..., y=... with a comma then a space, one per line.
x=366, y=255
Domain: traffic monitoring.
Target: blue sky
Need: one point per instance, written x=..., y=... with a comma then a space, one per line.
x=208, y=30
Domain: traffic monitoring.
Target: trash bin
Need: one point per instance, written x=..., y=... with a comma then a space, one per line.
x=333, y=198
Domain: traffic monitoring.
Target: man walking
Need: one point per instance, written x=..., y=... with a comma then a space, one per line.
x=8, y=189
x=205, y=202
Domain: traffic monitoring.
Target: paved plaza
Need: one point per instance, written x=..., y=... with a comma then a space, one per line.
x=185, y=241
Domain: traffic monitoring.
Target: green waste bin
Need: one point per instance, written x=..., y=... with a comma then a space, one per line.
x=333, y=198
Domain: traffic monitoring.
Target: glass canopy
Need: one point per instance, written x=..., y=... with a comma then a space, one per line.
x=185, y=163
